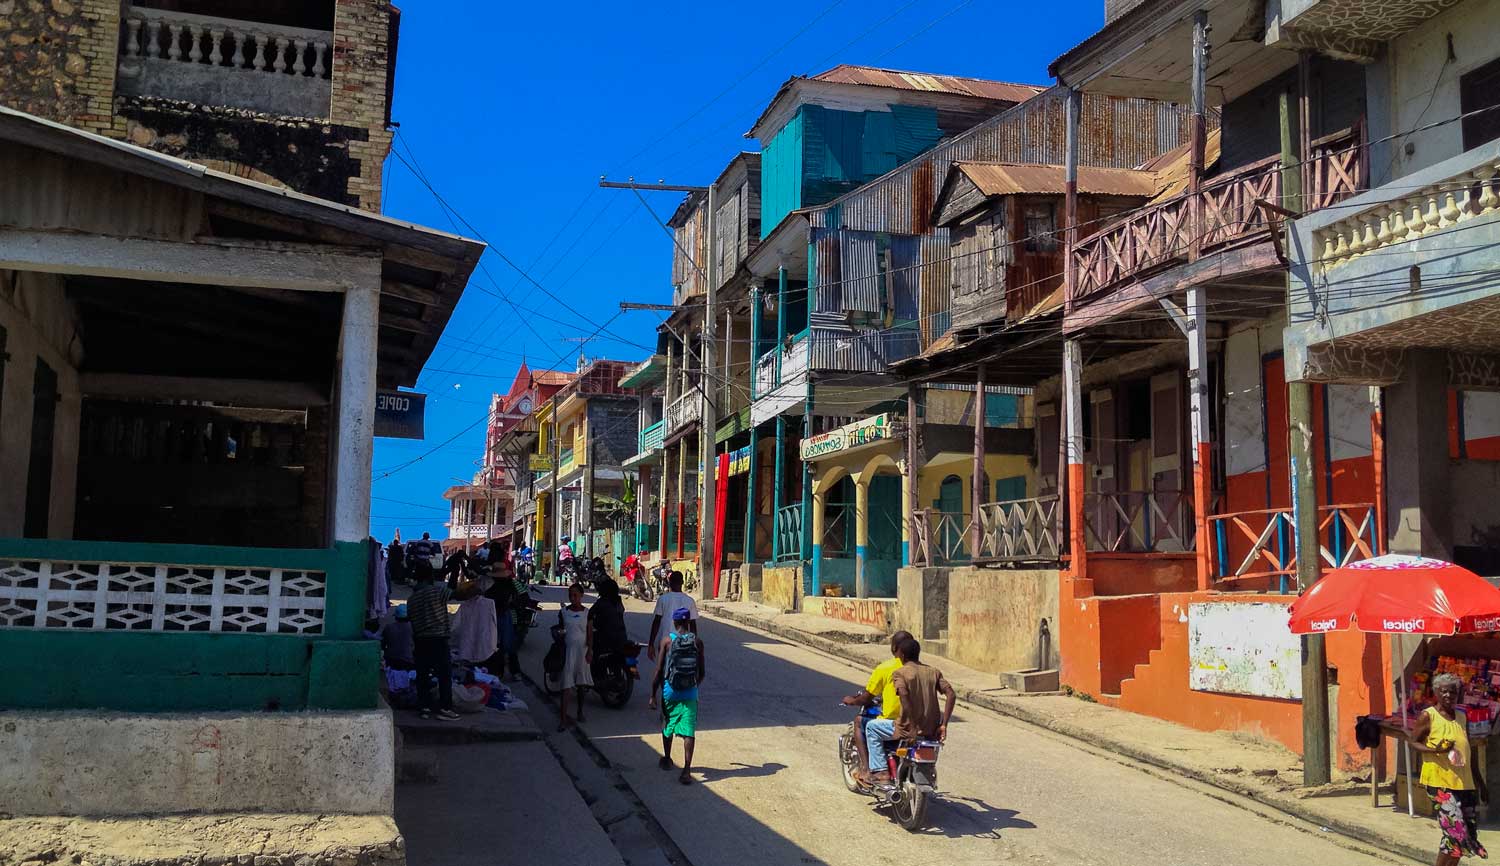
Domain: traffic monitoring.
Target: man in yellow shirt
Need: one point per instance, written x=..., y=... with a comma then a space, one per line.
x=879, y=692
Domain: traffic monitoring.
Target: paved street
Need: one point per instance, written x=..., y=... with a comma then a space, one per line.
x=769, y=789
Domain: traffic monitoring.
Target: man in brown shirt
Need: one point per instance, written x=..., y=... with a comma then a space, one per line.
x=918, y=686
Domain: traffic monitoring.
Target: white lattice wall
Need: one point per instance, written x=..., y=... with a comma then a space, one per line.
x=132, y=596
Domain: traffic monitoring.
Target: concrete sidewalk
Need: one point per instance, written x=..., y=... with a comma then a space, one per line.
x=1265, y=772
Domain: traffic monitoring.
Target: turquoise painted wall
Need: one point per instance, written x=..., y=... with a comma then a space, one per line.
x=822, y=153
x=143, y=671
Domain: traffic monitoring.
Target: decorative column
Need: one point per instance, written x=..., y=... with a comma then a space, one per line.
x=354, y=432
x=861, y=535
x=815, y=519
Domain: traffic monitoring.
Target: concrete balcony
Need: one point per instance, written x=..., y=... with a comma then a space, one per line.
x=1404, y=265
x=207, y=60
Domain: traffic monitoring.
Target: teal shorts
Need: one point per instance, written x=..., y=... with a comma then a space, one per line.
x=680, y=718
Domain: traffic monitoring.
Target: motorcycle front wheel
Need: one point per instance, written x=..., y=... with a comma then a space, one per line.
x=615, y=693
x=848, y=759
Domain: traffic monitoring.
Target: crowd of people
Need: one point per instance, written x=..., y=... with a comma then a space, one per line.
x=903, y=699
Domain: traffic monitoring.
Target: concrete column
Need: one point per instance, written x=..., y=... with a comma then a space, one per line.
x=664, y=500
x=777, y=482
x=815, y=556
x=752, y=472
x=909, y=476
x=1197, y=311
x=1416, y=481
x=976, y=481
x=643, y=505
x=1073, y=439
x=682, y=460
x=355, y=424
x=780, y=319
x=807, y=483
x=861, y=535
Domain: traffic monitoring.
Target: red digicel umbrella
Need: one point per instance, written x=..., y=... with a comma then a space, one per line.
x=1396, y=594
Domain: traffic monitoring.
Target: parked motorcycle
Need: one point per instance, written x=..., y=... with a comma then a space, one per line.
x=615, y=674
x=635, y=576
x=913, y=769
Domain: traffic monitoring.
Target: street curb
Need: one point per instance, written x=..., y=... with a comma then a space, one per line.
x=1292, y=806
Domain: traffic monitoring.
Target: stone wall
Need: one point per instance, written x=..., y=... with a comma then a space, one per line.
x=781, y=586
x=994, y=616
x=922, y=602
x=57, y=60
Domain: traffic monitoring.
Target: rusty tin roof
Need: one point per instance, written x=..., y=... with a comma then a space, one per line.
x=874, y=76
x=1005, y=178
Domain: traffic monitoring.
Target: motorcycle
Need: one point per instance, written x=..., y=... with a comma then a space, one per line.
x=913, y=768
x=526, y=564
x=635, y=575
x=615, y=674
x=660, y=577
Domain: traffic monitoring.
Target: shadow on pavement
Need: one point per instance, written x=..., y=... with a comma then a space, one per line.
x=958, y=817
x=711, y=774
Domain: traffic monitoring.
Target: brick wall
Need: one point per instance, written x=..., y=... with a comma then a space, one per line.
x=361, y=43
x=58, y=60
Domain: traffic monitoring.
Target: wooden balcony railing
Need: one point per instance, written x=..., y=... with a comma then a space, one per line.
x=940, y=538
x=1260, y=545
x=1228, y=214
x=1021, y=530
x=1139, y=521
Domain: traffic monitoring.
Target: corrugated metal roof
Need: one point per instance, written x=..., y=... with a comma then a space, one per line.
x=952, y=84
x=1010, y=178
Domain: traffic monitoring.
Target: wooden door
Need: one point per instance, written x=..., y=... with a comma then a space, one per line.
x=1170, y=527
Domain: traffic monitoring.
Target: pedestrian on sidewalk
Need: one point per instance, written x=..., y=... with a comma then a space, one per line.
x=508, y=593
x=673, y=599
x=918, y=687
x=678, y=677
x=428, y=609
x=1449, y=772
x=574, y=618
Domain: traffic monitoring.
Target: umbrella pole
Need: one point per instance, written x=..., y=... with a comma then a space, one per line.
x=1411, y=811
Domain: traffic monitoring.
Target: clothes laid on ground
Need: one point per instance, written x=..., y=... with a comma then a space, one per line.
x=428, y=609
x=921, y=715
x=670, y=601
x=883, y=688
x=575, y=670
x=475, y=633
x=396, y=641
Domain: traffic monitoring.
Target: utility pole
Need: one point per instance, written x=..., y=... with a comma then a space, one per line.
x=708, y=415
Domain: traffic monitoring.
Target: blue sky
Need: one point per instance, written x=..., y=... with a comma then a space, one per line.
x=513, y=111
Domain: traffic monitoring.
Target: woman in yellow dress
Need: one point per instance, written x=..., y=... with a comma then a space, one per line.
x=1448, y=771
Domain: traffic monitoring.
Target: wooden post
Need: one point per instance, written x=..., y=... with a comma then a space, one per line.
x=780, y=320
x=1073, y=418
x=1198, y=132
x=976, y=482
x=909, y=478
x=1073, y=108
x=1202, y=421
x=1316, y=769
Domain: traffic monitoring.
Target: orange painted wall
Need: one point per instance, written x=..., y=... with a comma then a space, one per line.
x=1160, y=687
x=1135, y=573
x=1128, y=634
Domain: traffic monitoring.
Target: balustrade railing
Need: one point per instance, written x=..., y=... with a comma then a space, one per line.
x=789, y=532
x=224, y=61
x=1261, y=545
x=1229, y=213
x=651, y=438
x=1139, y=521
x=1021, y=530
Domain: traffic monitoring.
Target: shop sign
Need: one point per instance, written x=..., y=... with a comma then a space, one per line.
x=739, y=461
x=399, y=414
x=540, y=463
x=858, y=434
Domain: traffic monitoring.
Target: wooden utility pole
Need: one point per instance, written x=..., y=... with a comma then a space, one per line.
x=977, y=485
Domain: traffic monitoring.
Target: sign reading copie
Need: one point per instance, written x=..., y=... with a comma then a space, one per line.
x=400, y=414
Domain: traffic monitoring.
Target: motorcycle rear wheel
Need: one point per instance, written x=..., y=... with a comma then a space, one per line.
x=911, y=812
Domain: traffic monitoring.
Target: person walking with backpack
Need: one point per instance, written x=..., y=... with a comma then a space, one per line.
x=678, y=677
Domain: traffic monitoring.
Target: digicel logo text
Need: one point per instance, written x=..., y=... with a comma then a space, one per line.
x=1489, y=623
x=1324, y=624
x=1404, y=625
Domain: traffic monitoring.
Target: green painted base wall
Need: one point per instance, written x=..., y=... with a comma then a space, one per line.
x=139, y=671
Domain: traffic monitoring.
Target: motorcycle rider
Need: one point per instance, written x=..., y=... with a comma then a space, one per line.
x=918, y=687
x=879, y=692
x=564, y=556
